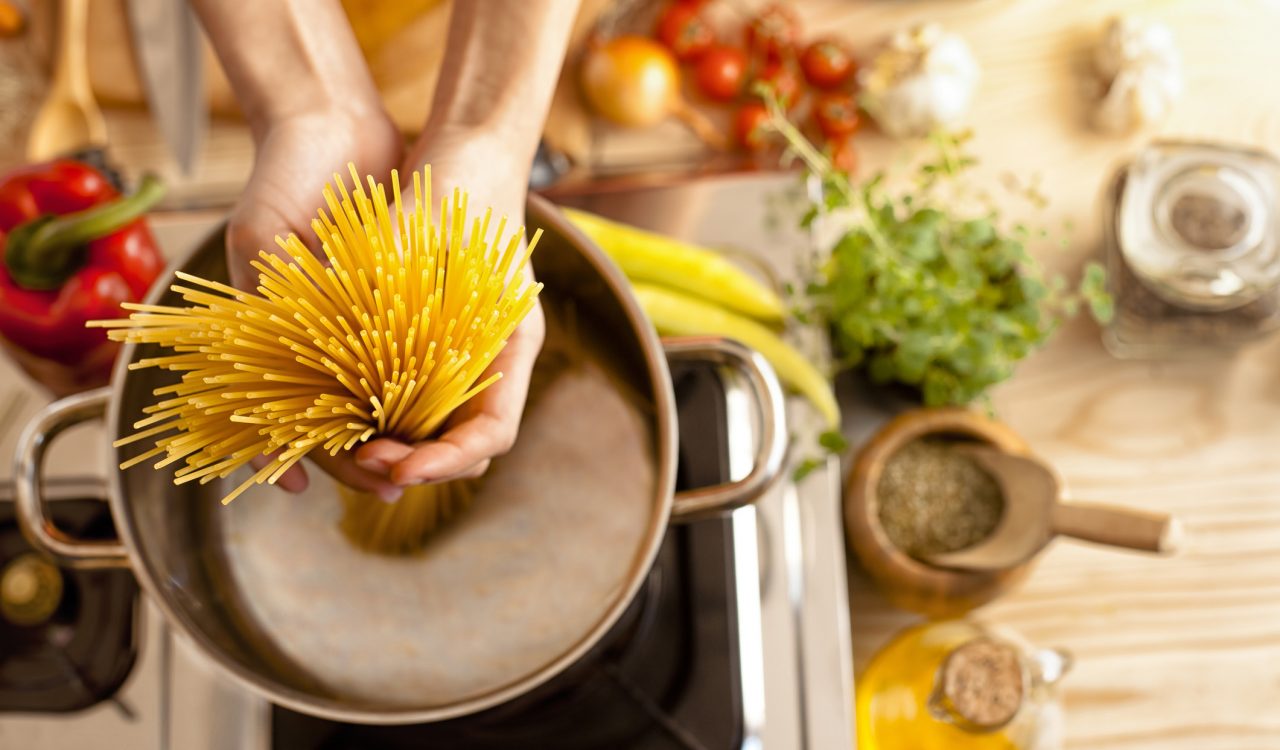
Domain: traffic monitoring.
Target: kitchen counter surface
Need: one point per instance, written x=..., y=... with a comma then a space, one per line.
x=1172, y=654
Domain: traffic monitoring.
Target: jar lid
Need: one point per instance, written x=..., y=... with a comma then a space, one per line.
x=1197, y=225
x=981, y=684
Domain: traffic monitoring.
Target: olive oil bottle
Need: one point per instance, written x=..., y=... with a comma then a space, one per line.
x=956, y=685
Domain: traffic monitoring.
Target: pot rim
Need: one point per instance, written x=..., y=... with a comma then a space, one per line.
x=543, y=214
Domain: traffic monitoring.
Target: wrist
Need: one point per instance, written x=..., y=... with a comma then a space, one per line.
x=501, y=152
x=289, y=58
x=504, y=144
x=350, y=113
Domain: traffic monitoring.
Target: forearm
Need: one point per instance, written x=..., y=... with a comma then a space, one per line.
x=289, y=57
x=500, y=70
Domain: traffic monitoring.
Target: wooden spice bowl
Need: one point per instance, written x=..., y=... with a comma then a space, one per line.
x=906, y=582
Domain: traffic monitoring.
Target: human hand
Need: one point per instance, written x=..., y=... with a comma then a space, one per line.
x=297, y=156
x=485, y=426
x=486, y=115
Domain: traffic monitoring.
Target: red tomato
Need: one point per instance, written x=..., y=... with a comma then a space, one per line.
x=720, y=72
x=682, y=29
x=836, y=114
x=693, y=3
x=772, y=33
x=784, y=80
x=842, y=154
x=749, y=127
x=826, y=64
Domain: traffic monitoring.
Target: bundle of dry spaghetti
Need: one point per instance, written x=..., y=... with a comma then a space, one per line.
x=386, y=336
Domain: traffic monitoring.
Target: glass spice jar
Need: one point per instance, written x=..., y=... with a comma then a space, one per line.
x=1192, y=245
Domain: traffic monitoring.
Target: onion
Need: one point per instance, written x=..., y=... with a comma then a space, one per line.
x=633, y=81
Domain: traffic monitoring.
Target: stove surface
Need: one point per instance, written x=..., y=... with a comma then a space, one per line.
x=782, y=604
x=87, y=675
x=67, y=637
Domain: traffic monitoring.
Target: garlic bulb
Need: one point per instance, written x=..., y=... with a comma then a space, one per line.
x=1140, y=70
x=923, y=79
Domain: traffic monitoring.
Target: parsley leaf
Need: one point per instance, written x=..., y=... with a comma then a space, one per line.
x=918, y=291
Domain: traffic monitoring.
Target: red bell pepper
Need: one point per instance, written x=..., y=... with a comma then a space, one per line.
x=74, y=249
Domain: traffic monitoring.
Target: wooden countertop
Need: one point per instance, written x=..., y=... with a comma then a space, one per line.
x=1172, y=654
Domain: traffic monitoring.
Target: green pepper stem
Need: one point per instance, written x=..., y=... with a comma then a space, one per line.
x=44, y=252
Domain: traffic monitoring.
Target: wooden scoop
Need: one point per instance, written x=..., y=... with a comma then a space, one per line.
x=1034, y=513
x=69, y=119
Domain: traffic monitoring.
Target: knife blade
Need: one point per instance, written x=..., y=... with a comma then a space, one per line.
x=168, y=45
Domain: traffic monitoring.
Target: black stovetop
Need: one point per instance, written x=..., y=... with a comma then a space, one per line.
x=665, y=678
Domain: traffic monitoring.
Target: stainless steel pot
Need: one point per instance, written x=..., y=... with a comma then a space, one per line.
x=563, y=533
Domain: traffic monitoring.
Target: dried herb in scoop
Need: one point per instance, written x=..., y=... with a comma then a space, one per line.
x=933, y=499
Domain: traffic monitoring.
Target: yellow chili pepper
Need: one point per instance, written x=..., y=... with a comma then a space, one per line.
x=656, y=259
x=681, y=315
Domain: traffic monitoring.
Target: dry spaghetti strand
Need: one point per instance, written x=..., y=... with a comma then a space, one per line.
x=388, y=335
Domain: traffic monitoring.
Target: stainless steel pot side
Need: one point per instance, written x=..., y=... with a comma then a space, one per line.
x=176, y=540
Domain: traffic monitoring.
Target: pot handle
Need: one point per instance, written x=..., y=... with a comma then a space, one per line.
x=28, y=489
x=771, y=447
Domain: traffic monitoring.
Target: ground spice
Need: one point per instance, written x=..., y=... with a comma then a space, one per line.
x=933, y=499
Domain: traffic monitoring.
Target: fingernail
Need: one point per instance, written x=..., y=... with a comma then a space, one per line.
x=376, y=465
x=389, y=494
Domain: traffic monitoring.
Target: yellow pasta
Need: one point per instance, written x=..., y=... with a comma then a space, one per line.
x=386, y=335
x=401, y=527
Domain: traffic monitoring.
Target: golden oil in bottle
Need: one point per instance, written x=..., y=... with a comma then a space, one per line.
x=958, y=686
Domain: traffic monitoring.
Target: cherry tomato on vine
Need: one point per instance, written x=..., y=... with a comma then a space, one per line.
x=836, y=114
x=749, y=127
x=682, y=29
x=720, y=73
x=772, y=33
x=826, y=63
x=784, y=80
x=842, y=154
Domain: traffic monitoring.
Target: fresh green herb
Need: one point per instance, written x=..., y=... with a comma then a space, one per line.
x=920, y=292
x=833, y=441
x=805, y=468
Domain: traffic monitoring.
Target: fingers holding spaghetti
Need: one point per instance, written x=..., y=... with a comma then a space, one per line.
x=343, y=468
x=400, y=326
x=483, y=428
x=294, y=479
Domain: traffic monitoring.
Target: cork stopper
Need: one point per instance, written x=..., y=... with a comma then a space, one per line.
x=981, y=684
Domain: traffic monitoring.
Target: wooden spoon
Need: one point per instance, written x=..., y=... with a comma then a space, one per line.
x=1034, y=513
x=69, y=119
